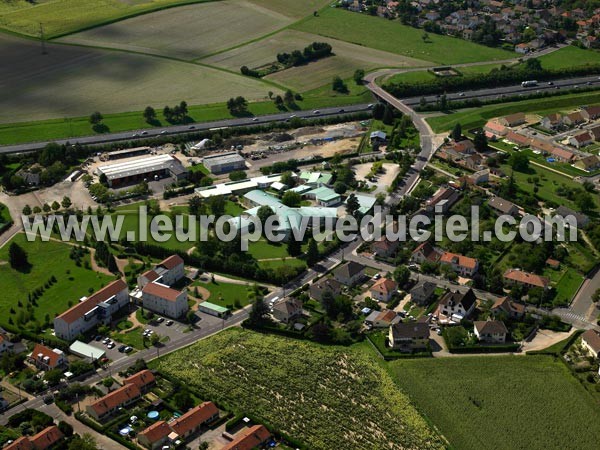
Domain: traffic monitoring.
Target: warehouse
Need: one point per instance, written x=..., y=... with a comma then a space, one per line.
x=128, y=153
x=140, y=169
x=225, y=162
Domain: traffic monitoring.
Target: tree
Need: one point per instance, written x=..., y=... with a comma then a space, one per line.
x=340, y=187
x=388, y=115
x=263, y=213
x=65, y=428
x=203, y=445
x=596, y=296
x=237, y=175
x=278, y=101
x=183, y=400
x=444, y=103
x=237, y=105
x=294, y=247
x=291, y=199
x=96, y=118
x=352, y=205
x=288, y=179
x=359, y=74
x=378, y=111
x=154, y=339
x=37, y=210
x=66, y=202
x=585, y=202
x=83, y=442
x=259, y=312
x=288, y=98
x=338, y=85
x=150, y=114
x=108, y=382
x=312, y=253
x=519, y=161
x=402, y=275
x=17, y=257
x=46, y=207
x=55, y=206
x=26, y=210
x=480, y=141
x=456, y=132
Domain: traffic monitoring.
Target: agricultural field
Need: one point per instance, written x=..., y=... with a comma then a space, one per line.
x=569, y=56
x=292, y=8
x=67, y=16
x=347, y=58
x=73, y=81
x=328, y=397
x=396, y=38
x=476, y=117
x=187, y=32
x=502, y=402
x=47, y=259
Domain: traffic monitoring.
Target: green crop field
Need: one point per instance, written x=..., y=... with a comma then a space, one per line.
x=391, y=36
x=329, y=397
x=187, y=32
x=474, y=117
x=74, y=81
x=509, y=402
x=67, y=16
x=347, y=58
x=569, y=56
x=46, y=259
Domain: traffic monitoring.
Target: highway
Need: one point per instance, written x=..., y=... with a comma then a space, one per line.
x=134, y=135
x=511, y=91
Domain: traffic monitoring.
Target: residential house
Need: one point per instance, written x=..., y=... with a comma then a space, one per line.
x=479, y=177
x=495, y=128
x=581, y=219
x=512, y=120
x=442, y=200
x=511, y=309
x=581, y=139
x=382, y=319
x=588, y=163
x=164, y=300
x=529, y=280
x=48, y=437
x=191, y=422
x=464, y=147
x=456, y=305
x=287, y=310
x=553, y=263
x=349, y=273
x=323, y=285
x=383, y=290
x=517, y=139
x=249, y=438
x=384, y=247
x=422, y=293
x=595, y=130
x=562, y=155
x=144, y=380
x=111, y=402
x=490, y=331
x=551, y=121
x=591, y=112
x=574, y=118
x=409, y=337
x=45, y=358
x=167, y=272
x=462, y=265
x=503, y=207
x=91, y=311
x=5, y=344
x=425, y=252
x=155, y=435
x=591, y=342
x=378, y=137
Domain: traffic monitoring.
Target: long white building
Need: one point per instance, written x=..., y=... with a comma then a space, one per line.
x=138, y=169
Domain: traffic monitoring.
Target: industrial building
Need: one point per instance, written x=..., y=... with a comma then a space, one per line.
x=127, y=153
x=238, y=187
x=224, y=162
x=144, y=168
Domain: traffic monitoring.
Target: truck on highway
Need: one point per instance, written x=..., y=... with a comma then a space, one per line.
x=529, y=83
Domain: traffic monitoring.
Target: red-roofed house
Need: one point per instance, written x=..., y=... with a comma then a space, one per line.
x=383, y=290
x=45, y=358
x=107, y=405
x=144, y=380
x=46, y=438
x=165, y=300
x=249, y=438
x=462, y=265
x=530, y=280
x=194, y=419
x=581, y=139
x=22, y=443
x=91, y=311
x=155, y=435
x=495, y=128
x=425, y=252
x=517, y=139
x=384, y=247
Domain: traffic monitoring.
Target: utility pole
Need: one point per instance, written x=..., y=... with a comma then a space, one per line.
x=43, y=40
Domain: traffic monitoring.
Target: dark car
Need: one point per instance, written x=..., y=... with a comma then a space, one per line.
x=122, y=348
x=98, y=338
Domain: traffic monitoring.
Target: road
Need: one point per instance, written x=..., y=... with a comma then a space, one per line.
x=510, y=91
x=188, y=128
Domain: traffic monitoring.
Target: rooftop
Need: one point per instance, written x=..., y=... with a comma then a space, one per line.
x=139, y=166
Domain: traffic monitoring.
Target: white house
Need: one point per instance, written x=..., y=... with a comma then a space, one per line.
x=383, y=290
x=491, y=331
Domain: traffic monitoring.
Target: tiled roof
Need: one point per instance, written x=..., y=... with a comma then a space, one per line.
x=141, y=379
x=46, y=438
x=490, y=327
x=417, y=330
x=53, y=357
x=592, y=338
x=250, y=438
x=350, y=269
x=171, y=262
x=81, y=308
x=526, y=278
x=501, y=205
x=115, y=399
x=459, y=260
x=161, y=291
x=22, y=443
x=194, y=418
x=384, y=286
x=156, y=431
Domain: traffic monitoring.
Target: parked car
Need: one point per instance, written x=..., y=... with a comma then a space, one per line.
x=160, y=319
x=98, y=338
x=128, y=349
x=121, y=348
x=169, y=323
x=111, y=345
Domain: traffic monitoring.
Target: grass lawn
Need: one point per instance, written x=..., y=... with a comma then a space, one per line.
x=474, y=117
x=502, y=402
x=567, y=286
x=278, y=263
x=133, y=338
x=46, y=259
x=224, y=294
x=262, y=249
x=328, y=397
x=392, y=36
x=570, y=56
